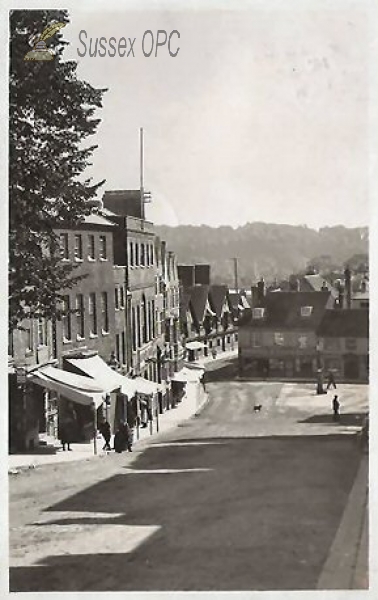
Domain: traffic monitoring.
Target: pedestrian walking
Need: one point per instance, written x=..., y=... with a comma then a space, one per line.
x=104, y=429
x=336, y=409
x=331, y=381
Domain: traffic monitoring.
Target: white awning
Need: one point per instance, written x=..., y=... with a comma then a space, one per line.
x=73, y=387
x=110, y=380
x=144, y=386
x=194, y=345
x=188, y=375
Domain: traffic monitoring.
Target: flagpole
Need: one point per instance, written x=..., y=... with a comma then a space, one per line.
x=141, y=144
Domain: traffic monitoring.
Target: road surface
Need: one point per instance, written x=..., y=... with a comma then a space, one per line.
x=231, y=500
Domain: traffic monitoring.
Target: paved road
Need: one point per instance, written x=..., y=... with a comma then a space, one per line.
x=232, y=500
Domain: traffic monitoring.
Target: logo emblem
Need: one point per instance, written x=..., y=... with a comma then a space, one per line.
x=40, y=51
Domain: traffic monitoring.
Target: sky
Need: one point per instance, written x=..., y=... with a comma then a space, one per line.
x=261, y=116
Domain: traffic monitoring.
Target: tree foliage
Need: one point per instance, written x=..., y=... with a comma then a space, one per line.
x=269, y=250
x=51, y=115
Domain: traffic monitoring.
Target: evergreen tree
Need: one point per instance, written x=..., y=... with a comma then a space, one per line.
x=51, y=113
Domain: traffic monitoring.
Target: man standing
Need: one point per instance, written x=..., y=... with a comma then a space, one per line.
x=336, y=409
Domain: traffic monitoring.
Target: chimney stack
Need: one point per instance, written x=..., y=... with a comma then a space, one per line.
x=293, y=283
x=261, y=290
x=186, y=275
x=254, y=296
x=202, y=274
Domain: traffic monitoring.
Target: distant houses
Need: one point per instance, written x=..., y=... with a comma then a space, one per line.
x=296, y=334
x=208, y=313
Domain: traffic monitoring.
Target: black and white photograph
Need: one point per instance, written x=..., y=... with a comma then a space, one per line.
x=187, y=241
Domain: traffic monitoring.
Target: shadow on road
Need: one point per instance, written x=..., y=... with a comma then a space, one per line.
x=262, y=517
x=355, y=418
x=227, y=370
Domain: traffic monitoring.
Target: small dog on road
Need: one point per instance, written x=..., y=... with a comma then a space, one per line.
x=257, y=408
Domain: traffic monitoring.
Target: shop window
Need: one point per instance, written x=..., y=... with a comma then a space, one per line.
x=276, y=367
x=332, y=344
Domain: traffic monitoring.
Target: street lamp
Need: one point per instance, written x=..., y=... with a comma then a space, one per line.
x=21, y=378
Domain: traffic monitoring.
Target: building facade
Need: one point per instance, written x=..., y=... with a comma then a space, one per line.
x=207, y=318
x=278, y=335
x=344, y=343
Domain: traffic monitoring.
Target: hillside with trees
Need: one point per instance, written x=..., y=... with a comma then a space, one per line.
x=265, y=249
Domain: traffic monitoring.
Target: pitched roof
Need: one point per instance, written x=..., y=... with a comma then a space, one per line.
x=352, y=322
x=198, y=299
x=314, y=283
x=283, y=310
x=217, y=297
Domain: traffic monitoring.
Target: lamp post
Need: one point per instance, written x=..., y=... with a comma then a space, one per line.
x=319, y=372
x=94, y=428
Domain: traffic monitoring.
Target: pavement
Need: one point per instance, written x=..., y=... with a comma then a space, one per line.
x=52, y=452
x=347, y=564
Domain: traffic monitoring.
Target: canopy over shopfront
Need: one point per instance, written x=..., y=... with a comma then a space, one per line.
x=96, y=367
x=145, y=386
x=73, y=387
x=76, y=388
x=194, y=345
x=188, y=375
